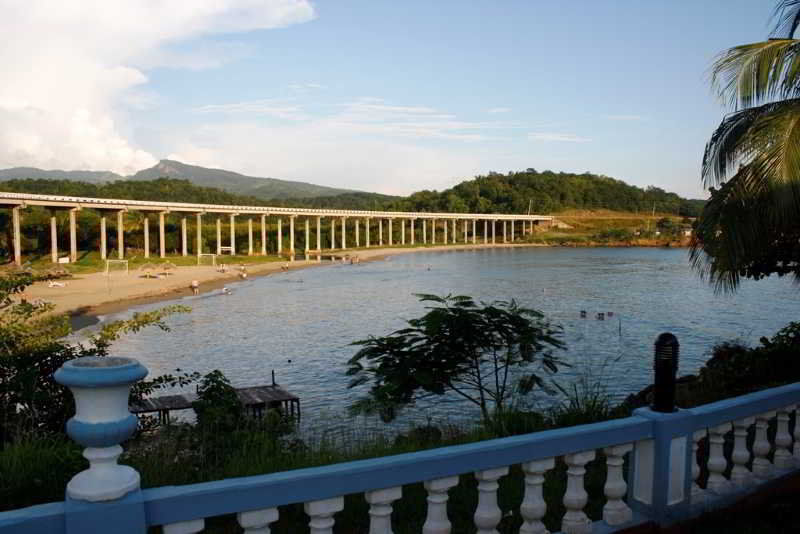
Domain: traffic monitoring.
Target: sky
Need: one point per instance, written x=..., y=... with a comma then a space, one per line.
x=377, y=95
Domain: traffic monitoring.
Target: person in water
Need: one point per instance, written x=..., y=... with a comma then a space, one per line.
x=195, y=287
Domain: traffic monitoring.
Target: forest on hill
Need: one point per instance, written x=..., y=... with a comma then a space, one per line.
x=515, y=192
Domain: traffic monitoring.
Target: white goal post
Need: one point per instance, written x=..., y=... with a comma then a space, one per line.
x=116, y=262
x=212, y=256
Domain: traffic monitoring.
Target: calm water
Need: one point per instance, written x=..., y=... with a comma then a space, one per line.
x=300, y=324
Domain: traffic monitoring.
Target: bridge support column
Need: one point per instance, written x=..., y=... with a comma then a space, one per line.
x=263, y=235
x=219, y=235
x=146, y=231
x=184, y=242
x=15, y=229
x=308, y=236
x=120, y=234
x=249, y=236
x=366, y=230
x=380, y=232
x=402, y=231
x=390, y=232
x=433, y=231
x=485, y=232
x=412, y=231
x=233, y=234
x=494, y=232
x=53, y=238
x=454, y=231
x=291, y=237
x=464, y=227
x=198, y=244
x=103, y=237
x=505, y=240
x=474, y=235
x=358, y=238
x=424, y=231
x=280, y=235
x=73, y=236
x=444, y=241
x=344, y=233
x=512, y=231
x=162, y=243
x=319, y=234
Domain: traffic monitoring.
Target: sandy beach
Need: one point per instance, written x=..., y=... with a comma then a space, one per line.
x=88, y=295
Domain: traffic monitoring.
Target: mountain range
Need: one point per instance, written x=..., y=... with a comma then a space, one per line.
x=232, y=182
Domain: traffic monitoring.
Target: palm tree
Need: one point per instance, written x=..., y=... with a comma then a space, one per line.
x=749, y=226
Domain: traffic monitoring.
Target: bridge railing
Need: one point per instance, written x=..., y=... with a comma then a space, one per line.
x=662, y=484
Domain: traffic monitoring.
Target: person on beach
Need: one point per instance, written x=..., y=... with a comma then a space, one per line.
x=195, y=287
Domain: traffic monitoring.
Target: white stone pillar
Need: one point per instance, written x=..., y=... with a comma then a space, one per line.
x=53, y=238
x=512, y=230
x=616, y=511
x=505, y=240
x=263, y=235
x=411, y=222
x=162, y=244
x=233, y=234
x=192, y=526
x=219, y=235
x=424, y=231
x=474, y=235
x=783, y=440
x=344, y=233
x=444, y=241
x=402, y=231
x=534, y=507
x=333, y=233
x=308, y=236
x=366, y=230
x=257, y=521
x=762, y=467
x=184, y=244
x=436, y=521
x=321, y=514
x=198, y=245
x=291, y=236
x=575, y=520
x=380, y=232
x=120, y=234
x=454, y=232
x=146, y=231
x=357, y=223
x=494, y=231
x=73, y=236
x=249, y=236
x=319, y=234
x=433, y=231
x=280, y=235
x=390, y=232
x=697, y=491
x=740, y=456
x=464, y=226
x=488, y=513
x=717, y=463
x=380, y=508
x=17, y=231
x=103, y=237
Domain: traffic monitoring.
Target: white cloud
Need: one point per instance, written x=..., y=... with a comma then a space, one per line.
x=557, y=137
x=306, y=86
x=498, y=110
x=280, y=109
x=69, y=68
x=625, y=117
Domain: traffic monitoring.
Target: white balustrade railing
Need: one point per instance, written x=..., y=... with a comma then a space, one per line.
x=661, y=452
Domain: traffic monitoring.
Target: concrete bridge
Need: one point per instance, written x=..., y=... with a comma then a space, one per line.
x=430, y=227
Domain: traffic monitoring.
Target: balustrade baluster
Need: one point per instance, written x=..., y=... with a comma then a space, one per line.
x=380, y=509
x=575, y=520
x=783, y=441
x=762, y=468
x=616, y=511
x=321, y=514
x=697, y=492
x=436, y=521
x=257, y=521
x=184, y=527
x=796, y=450
x=488, y=514
x=716, y=459
x=740, y=475
x=533, y=505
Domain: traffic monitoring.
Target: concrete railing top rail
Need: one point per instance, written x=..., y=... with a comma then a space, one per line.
x=59, y=201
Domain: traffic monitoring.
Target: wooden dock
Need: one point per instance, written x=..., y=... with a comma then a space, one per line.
x=256, y=400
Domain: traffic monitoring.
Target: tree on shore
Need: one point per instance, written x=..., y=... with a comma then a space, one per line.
x=749, y=226
x=479, y=352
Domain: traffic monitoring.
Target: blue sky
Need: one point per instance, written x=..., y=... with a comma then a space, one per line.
x=384, y=96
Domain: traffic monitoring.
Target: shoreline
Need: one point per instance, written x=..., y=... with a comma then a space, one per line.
x=87, y=297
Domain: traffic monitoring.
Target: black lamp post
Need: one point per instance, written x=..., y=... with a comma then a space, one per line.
x=666, y=368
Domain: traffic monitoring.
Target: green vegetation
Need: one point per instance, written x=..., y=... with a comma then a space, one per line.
x=479, y=353
x=748, y=229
